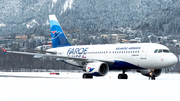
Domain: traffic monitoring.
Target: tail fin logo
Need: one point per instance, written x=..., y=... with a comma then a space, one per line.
x=4, y=50
x=56, y=34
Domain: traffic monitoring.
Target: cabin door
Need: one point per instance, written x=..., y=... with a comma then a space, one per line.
x=144, y=52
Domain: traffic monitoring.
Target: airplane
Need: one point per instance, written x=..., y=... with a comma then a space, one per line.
x=97, y=60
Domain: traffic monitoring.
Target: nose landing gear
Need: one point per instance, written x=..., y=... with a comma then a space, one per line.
x=152, y=75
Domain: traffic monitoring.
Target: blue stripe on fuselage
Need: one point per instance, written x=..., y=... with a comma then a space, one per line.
x=122, y=65
x=118, y=65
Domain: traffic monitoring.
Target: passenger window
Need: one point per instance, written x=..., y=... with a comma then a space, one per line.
x=156, y=51
x=160, y=51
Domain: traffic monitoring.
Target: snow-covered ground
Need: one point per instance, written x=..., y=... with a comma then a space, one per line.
x=70, y=86
x=75, y=75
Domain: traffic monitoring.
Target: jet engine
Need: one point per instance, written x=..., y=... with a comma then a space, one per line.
x=97, y=68
x=146, y=72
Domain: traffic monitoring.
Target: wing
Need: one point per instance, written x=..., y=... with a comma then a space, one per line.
x=59, y=57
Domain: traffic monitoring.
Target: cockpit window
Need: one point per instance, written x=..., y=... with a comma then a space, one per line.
x=156, y=51
x=160, y=51
x=165, y=51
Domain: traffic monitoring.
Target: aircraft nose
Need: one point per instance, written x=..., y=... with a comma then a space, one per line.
x=173, y=59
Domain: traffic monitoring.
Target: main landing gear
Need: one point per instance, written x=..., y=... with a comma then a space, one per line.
x=87, y=76
x=123, y=76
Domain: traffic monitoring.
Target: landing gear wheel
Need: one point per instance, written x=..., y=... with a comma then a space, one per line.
x=87, y=76
x=122, y=76
x=153, y=78
x=125, y=76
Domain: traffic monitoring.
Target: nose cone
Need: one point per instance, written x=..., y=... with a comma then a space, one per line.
x=172, y=59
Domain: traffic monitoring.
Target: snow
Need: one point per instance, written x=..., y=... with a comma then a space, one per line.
x=69, y=86
x=68, y=4
x=54, y=1
x=47, y=23
x=2, y=25
x=32, y=23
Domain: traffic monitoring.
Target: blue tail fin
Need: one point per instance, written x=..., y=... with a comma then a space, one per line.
x=57, y=34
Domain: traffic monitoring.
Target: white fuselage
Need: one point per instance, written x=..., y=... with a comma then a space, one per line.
x=139, y=54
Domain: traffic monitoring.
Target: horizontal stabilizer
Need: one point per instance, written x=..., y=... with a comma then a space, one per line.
x=38, y=56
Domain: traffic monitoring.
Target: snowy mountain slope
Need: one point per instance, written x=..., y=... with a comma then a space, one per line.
x=164, y=21
x=74, y=14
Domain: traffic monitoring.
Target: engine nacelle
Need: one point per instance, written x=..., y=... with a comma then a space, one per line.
x=97, y=68
x=157, y=72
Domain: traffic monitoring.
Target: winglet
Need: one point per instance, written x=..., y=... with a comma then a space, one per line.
x=4, y=51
